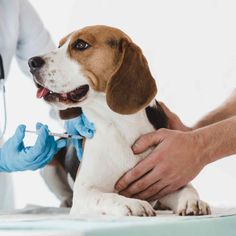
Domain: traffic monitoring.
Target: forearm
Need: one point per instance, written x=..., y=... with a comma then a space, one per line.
x=217, y=140
x=225, y=111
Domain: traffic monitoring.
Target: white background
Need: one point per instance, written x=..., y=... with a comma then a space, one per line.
x=191, y=49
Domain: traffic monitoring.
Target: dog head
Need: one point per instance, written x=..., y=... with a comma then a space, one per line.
x=96, y=59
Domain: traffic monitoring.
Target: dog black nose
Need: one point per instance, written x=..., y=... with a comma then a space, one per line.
x=35, y=63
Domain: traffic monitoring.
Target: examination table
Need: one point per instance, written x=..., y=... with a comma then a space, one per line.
x=35, y=220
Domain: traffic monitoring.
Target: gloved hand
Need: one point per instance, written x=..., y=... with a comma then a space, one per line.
x=14, y=156
x=79, y=126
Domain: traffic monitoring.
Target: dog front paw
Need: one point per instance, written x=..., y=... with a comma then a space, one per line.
x=133, y=207
x=111, y=204
x=193, y=207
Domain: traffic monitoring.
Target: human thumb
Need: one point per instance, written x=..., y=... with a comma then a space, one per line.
x=19, y=135
x=148, y=140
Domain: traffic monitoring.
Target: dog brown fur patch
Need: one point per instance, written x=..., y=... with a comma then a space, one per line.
x=98, y=62
x=116, y=66
x=132, y=86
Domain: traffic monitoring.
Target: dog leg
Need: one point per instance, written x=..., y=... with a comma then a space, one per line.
x=87, y=200
x=186, y=201
x=56, y=179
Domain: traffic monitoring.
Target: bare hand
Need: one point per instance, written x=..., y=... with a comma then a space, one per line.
x=174, y=162
x=173, y=120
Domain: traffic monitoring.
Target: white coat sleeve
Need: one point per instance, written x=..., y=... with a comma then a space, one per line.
x=33, y=38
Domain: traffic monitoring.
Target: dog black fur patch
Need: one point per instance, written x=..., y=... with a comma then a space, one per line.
x=68, y=159
x=157, y=116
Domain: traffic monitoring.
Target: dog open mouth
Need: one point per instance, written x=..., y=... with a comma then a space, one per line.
x=75, y=96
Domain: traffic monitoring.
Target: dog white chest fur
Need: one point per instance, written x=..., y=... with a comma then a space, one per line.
x=108, y=156
x=111, y=145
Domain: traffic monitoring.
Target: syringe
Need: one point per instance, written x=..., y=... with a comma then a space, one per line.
x=70, y=136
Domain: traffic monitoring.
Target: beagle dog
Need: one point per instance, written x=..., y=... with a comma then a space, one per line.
x=101, y=70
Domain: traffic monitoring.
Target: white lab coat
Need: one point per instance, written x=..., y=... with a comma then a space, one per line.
x=23, y=35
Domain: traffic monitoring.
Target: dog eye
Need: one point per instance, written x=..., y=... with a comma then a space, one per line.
x=80, y=45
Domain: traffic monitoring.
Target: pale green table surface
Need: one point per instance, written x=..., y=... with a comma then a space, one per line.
x=52, y=221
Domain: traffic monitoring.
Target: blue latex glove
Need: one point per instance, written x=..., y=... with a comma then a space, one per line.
x=79, y=126
x=14, y=156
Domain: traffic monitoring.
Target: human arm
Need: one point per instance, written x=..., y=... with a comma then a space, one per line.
x=33, y=38
x=176, y=159
x=14, y=156
x=222, y=112
x=179, y=156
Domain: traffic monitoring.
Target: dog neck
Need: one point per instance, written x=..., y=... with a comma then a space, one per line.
x=129, y=126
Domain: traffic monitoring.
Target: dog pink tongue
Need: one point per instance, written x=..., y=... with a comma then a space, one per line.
x=42, y=92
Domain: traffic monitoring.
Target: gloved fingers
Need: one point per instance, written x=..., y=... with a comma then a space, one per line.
x=80, y=125
x=30, y=150
x=38, y=125
x=79, y=153
x=42, y=142
x=43, y=159
x=61, y=143
x=51, y=151
x=71, y=126
x=87, y=123
x=84, y=130
x=19, y=136
x=34, y=160
x=78, y=147
x=51, y=145
x=90, y=133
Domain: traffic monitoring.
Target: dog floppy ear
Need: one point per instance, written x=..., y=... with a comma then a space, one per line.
x=132, y=86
